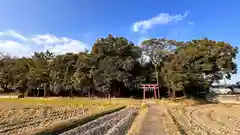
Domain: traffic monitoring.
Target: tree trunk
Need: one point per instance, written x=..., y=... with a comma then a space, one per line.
x=71, y=93
x=109, y=96
x=156, y=74
x=114, y=92
x=33, y=92
x=184, y=93
x=173, y=94
x=89, y=94
x=45, y=93
x=92, y=94
x=118, y=92
x=224, y=80
x=38, y=93
x=169, y=92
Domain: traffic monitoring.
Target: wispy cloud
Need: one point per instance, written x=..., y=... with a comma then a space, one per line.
x=162, y=18
x=11, y=33
x=190, y=23
x=26, y=45
x=59, y=44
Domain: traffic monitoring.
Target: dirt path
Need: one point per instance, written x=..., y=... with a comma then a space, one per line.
x=153, y=124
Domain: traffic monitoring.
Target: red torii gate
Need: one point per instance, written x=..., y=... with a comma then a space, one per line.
x=147, y=87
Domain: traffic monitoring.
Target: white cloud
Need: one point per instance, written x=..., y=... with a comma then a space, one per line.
x=141, y=39
x=25, y=46
x=162, y=18
x=14, y=48
x=59, y=45
x=45, y=39
x=11, y=33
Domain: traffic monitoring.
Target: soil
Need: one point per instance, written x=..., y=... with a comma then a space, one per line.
x=158, y=121
x=214, y=119
x=22, y=120
x=191, y=118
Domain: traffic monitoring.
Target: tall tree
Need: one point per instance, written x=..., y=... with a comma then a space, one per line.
x=62, y=69
x=82, y=78
x=39, y=72
x=157, y=49
x=199, y=63
x=6, y=76
x=115, y=60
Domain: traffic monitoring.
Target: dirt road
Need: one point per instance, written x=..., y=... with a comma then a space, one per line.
x=153, y=124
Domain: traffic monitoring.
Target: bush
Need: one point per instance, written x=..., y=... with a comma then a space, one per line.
x=21, y=95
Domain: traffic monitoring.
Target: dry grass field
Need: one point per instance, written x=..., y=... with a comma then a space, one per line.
x=193, y=118
x=189, y=117
x=28, y=115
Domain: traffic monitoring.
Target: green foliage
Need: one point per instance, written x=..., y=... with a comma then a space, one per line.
x=115, y=66
x=157, y=49
x=115, y=59
x=199, y=63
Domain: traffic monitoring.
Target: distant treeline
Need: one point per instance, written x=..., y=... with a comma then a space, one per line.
x=116, y=67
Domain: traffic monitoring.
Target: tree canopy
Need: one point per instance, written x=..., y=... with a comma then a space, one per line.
x=114, y=67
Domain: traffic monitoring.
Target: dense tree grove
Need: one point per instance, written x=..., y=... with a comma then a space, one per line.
x=116, y=67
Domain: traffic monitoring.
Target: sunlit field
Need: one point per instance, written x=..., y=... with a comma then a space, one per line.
x=193, y=118
x=29, y=115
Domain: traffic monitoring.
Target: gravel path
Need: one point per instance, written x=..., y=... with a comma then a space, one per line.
x=153, y=123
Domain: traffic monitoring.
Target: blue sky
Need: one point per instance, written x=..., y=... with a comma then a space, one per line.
x=72, y=25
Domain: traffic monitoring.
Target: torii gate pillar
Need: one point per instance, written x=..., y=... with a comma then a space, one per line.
x=147, y=87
